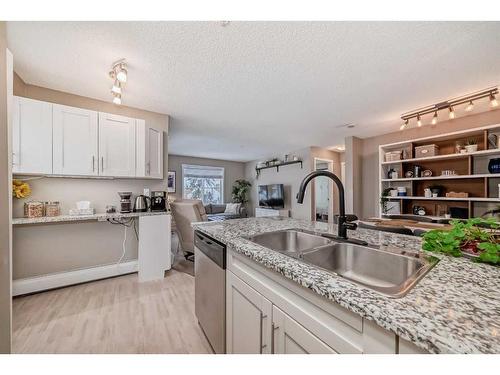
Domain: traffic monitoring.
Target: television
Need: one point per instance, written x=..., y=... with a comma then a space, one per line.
x=272, y=196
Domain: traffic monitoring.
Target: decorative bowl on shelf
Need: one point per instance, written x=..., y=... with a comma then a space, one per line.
x=494, y=165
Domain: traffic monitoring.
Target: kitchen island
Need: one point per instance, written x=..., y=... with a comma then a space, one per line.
x=453, y=309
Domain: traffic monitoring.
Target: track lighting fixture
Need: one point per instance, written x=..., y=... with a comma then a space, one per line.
x=450, y=105
x=434, y=118
x=493, y=100
x=119, y=75
x=451, y=115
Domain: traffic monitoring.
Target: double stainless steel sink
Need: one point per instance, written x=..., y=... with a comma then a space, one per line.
x=392, y=274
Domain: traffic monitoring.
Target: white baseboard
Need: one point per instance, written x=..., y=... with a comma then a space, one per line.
x=57, y=280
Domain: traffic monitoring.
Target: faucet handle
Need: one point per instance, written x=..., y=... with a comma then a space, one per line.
x=350, y=226
x=350, y=217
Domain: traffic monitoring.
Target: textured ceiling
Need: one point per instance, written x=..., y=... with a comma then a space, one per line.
x=253, y=89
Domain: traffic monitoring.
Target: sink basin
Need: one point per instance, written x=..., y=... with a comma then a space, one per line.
x=289, y=241
x=388, y=273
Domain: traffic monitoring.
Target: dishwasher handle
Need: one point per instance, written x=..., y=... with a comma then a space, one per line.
x=213, y=249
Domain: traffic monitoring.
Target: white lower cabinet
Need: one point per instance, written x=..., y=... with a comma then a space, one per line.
x=248, y=319
x=267, y=313
x=289, y=337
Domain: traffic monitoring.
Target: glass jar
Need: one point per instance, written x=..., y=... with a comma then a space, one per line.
x=52, y=209
x=34, y=209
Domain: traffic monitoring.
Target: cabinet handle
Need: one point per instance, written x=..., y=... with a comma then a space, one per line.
x=93, y=163
x=262, y=317
x=102, y=163
x=149, y=168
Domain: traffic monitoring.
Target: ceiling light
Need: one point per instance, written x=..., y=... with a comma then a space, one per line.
x=121, y=75
x=404, y=125
x=451, y=115
x=117, y=100
x=493, y=101
x=470, y=107
x=434, y=118
x=419, y=121
x=117, y=87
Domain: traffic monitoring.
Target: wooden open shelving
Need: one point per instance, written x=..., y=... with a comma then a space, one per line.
x=472, y=175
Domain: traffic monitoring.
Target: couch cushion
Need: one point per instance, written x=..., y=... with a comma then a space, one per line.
x=218, y=208
x=208, y=208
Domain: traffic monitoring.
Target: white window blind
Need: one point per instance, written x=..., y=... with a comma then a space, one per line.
x=203, y=182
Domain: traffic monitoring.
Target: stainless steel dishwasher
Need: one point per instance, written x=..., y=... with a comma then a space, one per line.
x=210, y=289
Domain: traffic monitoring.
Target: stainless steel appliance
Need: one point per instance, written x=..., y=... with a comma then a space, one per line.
x=141, y=203
x=210, y=289
x=125, y=203
x=159, y=201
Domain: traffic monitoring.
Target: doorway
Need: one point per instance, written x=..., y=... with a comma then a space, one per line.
x=323, y=192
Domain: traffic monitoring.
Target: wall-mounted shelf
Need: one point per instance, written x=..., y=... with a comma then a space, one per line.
x=468, y=199
x=277, y=166
x=444, y=157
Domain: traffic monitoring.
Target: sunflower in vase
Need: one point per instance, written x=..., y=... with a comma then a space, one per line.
x=20, y=189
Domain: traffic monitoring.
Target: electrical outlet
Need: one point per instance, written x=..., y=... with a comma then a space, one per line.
x=147, y=192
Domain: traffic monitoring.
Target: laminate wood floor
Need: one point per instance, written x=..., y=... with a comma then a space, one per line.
x=117, y=315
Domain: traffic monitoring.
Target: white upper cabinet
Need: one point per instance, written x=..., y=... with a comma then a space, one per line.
x=32, y=136
x=149, y=151
x=116, y=145
x=75, y=150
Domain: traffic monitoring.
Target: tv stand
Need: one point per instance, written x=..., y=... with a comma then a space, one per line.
x=271, y=212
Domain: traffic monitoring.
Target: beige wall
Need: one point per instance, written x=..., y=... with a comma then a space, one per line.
x=78, y=245
x=290, y=176
x=369, y=151
x=5, y=209
x=232, y=171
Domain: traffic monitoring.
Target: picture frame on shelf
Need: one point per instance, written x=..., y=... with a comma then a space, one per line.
x=171, y=179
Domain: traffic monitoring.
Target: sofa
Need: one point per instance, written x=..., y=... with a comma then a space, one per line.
x=216, y=212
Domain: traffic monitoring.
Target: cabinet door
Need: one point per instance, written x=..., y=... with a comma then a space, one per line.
x=31, y=136
x=248, y=318
x=289, y=337
x=149, y=151
x=116, y=145
x=75, y=141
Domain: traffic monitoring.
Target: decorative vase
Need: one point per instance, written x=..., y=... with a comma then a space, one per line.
x=494, y=165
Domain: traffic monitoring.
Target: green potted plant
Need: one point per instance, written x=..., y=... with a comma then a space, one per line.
x=476, y=238
x=240, y=190
x=384, y=199
x=471, y=145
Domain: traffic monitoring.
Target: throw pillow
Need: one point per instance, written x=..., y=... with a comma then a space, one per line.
x=233, y=208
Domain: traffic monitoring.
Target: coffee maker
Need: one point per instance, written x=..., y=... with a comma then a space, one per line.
x=125, y=202
x=158, y=201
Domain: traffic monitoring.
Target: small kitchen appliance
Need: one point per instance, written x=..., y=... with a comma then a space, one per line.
x=125, y=203
x=159, y=201
x=141, y=203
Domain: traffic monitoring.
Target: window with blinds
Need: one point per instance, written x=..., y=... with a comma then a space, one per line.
x=203, y=182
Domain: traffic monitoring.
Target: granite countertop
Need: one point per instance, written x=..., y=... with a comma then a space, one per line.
x=455, y=308
x=72, y=218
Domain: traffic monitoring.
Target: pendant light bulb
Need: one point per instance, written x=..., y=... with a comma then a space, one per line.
x=117, y=100
x=121, y=74
x=117, y=88
x=493, y=101
x=404, y=125
x=451, y=115
x=434, y=118
x=419, y=121
x=470, y=107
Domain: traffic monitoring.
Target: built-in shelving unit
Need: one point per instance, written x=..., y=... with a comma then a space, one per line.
x=471, y=174
x=277, y=166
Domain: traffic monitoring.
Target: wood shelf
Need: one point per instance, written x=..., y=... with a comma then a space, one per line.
x=277, y=166
x=444, y=157
x=454, y=177
x=469, y=199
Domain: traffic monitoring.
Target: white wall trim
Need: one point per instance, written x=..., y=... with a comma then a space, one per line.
x=57, y=280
